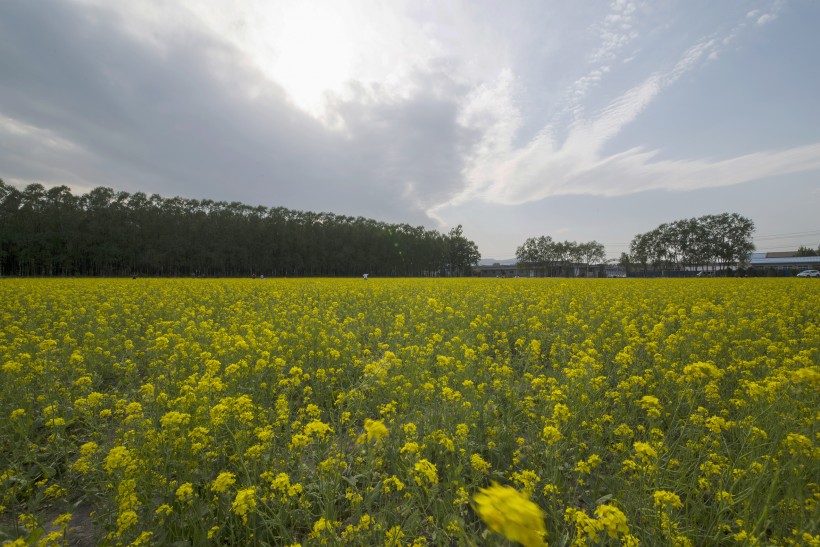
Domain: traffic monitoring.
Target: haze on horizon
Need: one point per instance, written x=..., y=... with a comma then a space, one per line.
x=582, y=120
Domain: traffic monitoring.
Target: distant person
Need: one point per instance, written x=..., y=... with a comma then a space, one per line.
x=364, y=277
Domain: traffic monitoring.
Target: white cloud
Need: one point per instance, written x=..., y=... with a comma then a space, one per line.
x=313, y=50
x=765, y=18
x=490, y=110
x=615, y=31
x=612, y=35
x=768, y=17
x=501, y=173
x=17, y=130
x=416, y=106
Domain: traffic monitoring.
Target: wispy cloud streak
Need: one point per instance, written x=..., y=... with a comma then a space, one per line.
x=577, y=164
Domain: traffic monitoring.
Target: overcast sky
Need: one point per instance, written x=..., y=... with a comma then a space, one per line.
x=579, y=119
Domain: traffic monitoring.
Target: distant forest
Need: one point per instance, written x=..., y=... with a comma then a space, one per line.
x=52, y=232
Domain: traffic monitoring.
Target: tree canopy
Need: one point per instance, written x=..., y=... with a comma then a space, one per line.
x=551, y=257
x=708, y=241
x=108, y=233
x=807, y=251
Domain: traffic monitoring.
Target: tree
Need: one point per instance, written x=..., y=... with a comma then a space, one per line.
x=536, y=252
x=543, y=254
x=462, y=254
x=716, y=240
x=807, y=251
x=625, y=261
x=104, y=232
x=10, y=202
x=591, y=252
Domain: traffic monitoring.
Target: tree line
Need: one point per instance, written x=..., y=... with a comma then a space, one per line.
x=547, y=257
x=708, y=242
x=804, y=250
x=52, y=232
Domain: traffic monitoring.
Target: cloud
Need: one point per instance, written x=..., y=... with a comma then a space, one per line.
x=615, y=31
x=547, y=166
x=765, y=18
x=409, y=109
x=491, y=112
x=184, y=113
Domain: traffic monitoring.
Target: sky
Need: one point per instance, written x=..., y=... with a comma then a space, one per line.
x=582, y=120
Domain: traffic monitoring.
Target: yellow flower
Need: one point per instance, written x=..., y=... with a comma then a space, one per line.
x=125, y=521
x=118, y=457
x=174, y=419
x=320, y=527
x=244, y=503
x=479, y=464
x=398, y=486
x=317, y=429
x=299, y=440
x=527, y=479
x=54, y=491
x=584, y=524
x=645, y=451
x=798, y=444
x=561, y=412
x=375, y=431
x=282, y=484
x=410, y=447
x=651, y=405
x=611, y=520
x=393, y=537
x=511, y=514
x=551, y=434
x=62, y=521
x=664, y=499
x=185, y=491
x=163, y=510
x=143, y=539
x=88, y=448
x=223, y=481
x=52, y=538
x=425, y=469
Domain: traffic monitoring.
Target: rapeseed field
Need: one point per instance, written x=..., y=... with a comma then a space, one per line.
x=410, y=412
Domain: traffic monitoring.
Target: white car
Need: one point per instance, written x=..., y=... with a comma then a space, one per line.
x=809, y=273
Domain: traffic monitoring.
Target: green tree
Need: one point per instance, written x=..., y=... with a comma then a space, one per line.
x=462, y=254
x=807, y=251
x=105, y=232
x=625, y=261
x=713, y=240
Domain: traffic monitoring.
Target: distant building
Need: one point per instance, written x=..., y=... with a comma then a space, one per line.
x=566, y=270
x=500, y=270
x=782, y=263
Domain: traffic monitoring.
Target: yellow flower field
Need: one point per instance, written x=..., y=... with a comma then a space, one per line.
x=410, y=412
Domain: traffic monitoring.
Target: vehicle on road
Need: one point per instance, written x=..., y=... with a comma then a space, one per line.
x=809, y=273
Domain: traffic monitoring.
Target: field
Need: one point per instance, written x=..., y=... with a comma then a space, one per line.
x=679, y=412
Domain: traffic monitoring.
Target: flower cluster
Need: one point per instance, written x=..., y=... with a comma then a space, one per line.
x=319, y=411
x=511, y=514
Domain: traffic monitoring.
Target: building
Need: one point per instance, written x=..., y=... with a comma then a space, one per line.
x=782, y=263
x=565, y=270
x=501, y=270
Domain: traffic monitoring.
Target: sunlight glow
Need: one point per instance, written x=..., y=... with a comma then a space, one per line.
x=311, y=51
